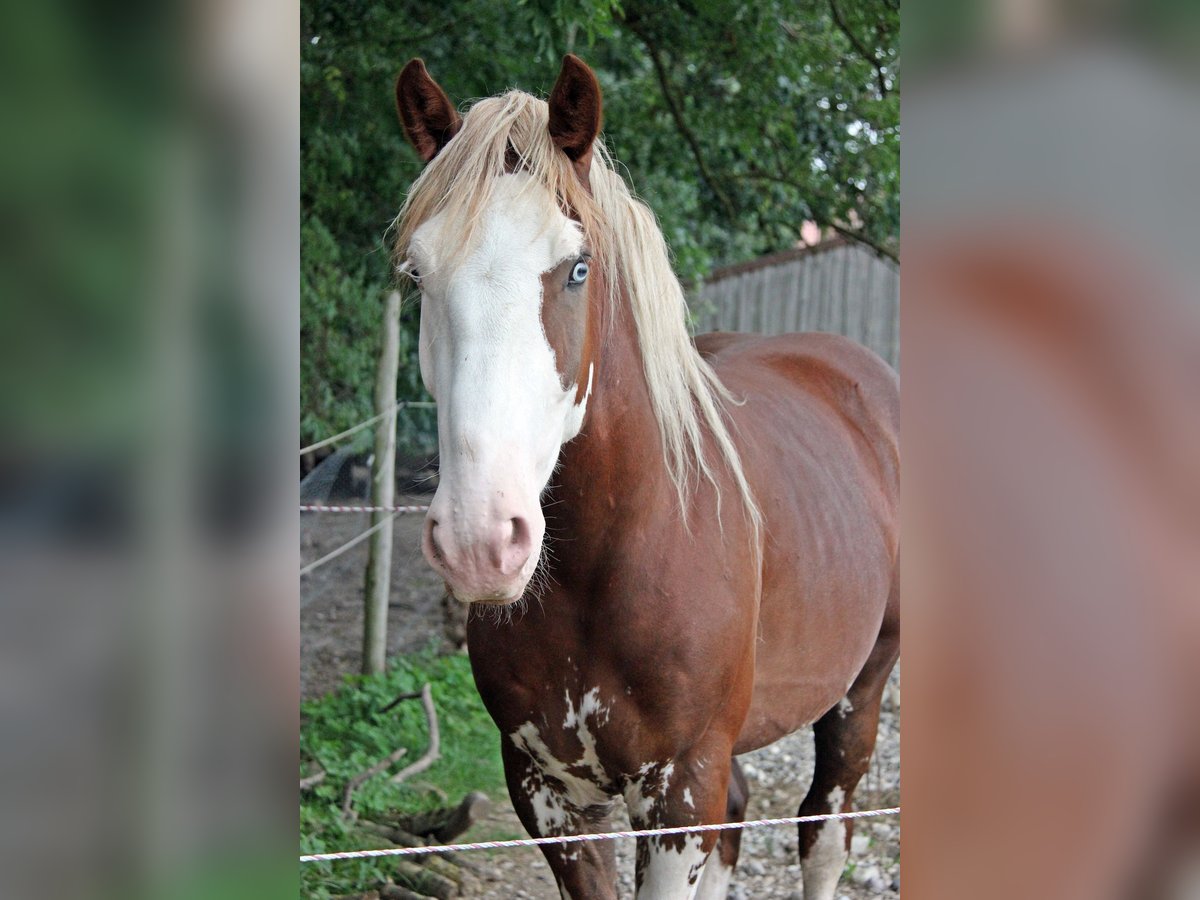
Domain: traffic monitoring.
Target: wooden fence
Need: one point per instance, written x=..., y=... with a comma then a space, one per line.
x=834, y=286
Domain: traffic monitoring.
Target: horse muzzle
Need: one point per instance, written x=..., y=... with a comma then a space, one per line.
x=489, y=560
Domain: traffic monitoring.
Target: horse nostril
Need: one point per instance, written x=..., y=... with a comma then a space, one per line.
x=521, y=537
x=515, y=543
x=433, y=550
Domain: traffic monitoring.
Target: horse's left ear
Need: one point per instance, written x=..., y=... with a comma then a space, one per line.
x=575, y=112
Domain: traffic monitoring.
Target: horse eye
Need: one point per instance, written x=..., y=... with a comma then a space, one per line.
x=579, y=274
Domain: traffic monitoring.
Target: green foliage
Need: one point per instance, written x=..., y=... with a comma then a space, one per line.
x=346, y=732
x=736, y=122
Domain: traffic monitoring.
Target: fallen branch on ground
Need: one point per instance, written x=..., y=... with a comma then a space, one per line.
x=353, y=784
x=425, y=881
x=432, y=754
x=396, y=892
x=408, y=695
x=443, y=825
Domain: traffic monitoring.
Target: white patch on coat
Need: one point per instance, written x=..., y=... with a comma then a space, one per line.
x=687, y=798
x=826, y=858
x=555, y=807
x=575, y=417
x=589, y=707
x=645, y=793
x=548, y=807
x=714, y=883
x=845, y=707
x=670, y=872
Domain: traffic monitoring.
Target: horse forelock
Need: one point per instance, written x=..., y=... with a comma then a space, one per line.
x=511, y=132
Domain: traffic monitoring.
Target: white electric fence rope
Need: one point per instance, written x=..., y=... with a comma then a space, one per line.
x=580, y=838
x=349, y=431
x=346, y=546
x=399, y=510
x=414, y=404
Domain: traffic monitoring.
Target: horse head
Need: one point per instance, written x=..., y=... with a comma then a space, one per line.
x=510, y=305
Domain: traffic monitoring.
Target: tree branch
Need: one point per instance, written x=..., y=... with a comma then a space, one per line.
x=312, y=780
x=859, y=47
x=848, y=233
x=859, y=237
x=680, y=124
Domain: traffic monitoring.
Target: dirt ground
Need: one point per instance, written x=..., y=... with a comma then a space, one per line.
x=331, y=636
x=331, y=597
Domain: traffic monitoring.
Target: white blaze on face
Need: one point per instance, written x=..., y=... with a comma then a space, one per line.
x=503, y=413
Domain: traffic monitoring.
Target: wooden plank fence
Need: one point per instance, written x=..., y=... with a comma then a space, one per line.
x=836, y=286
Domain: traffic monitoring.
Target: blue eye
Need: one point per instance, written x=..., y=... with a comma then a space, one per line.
x=579, y=274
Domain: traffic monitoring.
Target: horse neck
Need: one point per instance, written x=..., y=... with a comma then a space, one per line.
x=617, y=457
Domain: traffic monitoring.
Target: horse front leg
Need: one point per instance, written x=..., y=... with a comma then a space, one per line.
x=583, y=871
x=718, y=871
x=672, y=794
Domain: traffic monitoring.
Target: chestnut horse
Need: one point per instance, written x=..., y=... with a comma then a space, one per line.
x=674, y=552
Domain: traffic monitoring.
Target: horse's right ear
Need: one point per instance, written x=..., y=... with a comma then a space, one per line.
x=429, y=118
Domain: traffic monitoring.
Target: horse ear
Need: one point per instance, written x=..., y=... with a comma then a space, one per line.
x=429, y=118
x=575, y=112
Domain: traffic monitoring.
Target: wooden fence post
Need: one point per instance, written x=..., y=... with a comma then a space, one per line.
x=383, y=489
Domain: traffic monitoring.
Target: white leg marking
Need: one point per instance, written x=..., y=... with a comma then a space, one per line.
x=672, y=873
x=714, y=883
x=827, y=857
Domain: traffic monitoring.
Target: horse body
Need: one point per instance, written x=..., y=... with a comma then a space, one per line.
x=655, y=651
x=820, y=431
x=679, y=622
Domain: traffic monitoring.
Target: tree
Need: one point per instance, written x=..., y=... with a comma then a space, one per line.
x=735, y=121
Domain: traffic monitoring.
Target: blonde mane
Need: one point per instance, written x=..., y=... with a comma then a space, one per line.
x=686, y=395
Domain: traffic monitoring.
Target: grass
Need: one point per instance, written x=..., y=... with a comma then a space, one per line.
x=346, y=732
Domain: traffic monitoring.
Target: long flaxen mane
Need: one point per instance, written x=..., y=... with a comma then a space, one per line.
x=686, y=395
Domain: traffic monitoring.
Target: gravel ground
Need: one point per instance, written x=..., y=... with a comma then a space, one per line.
x=331, y=633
